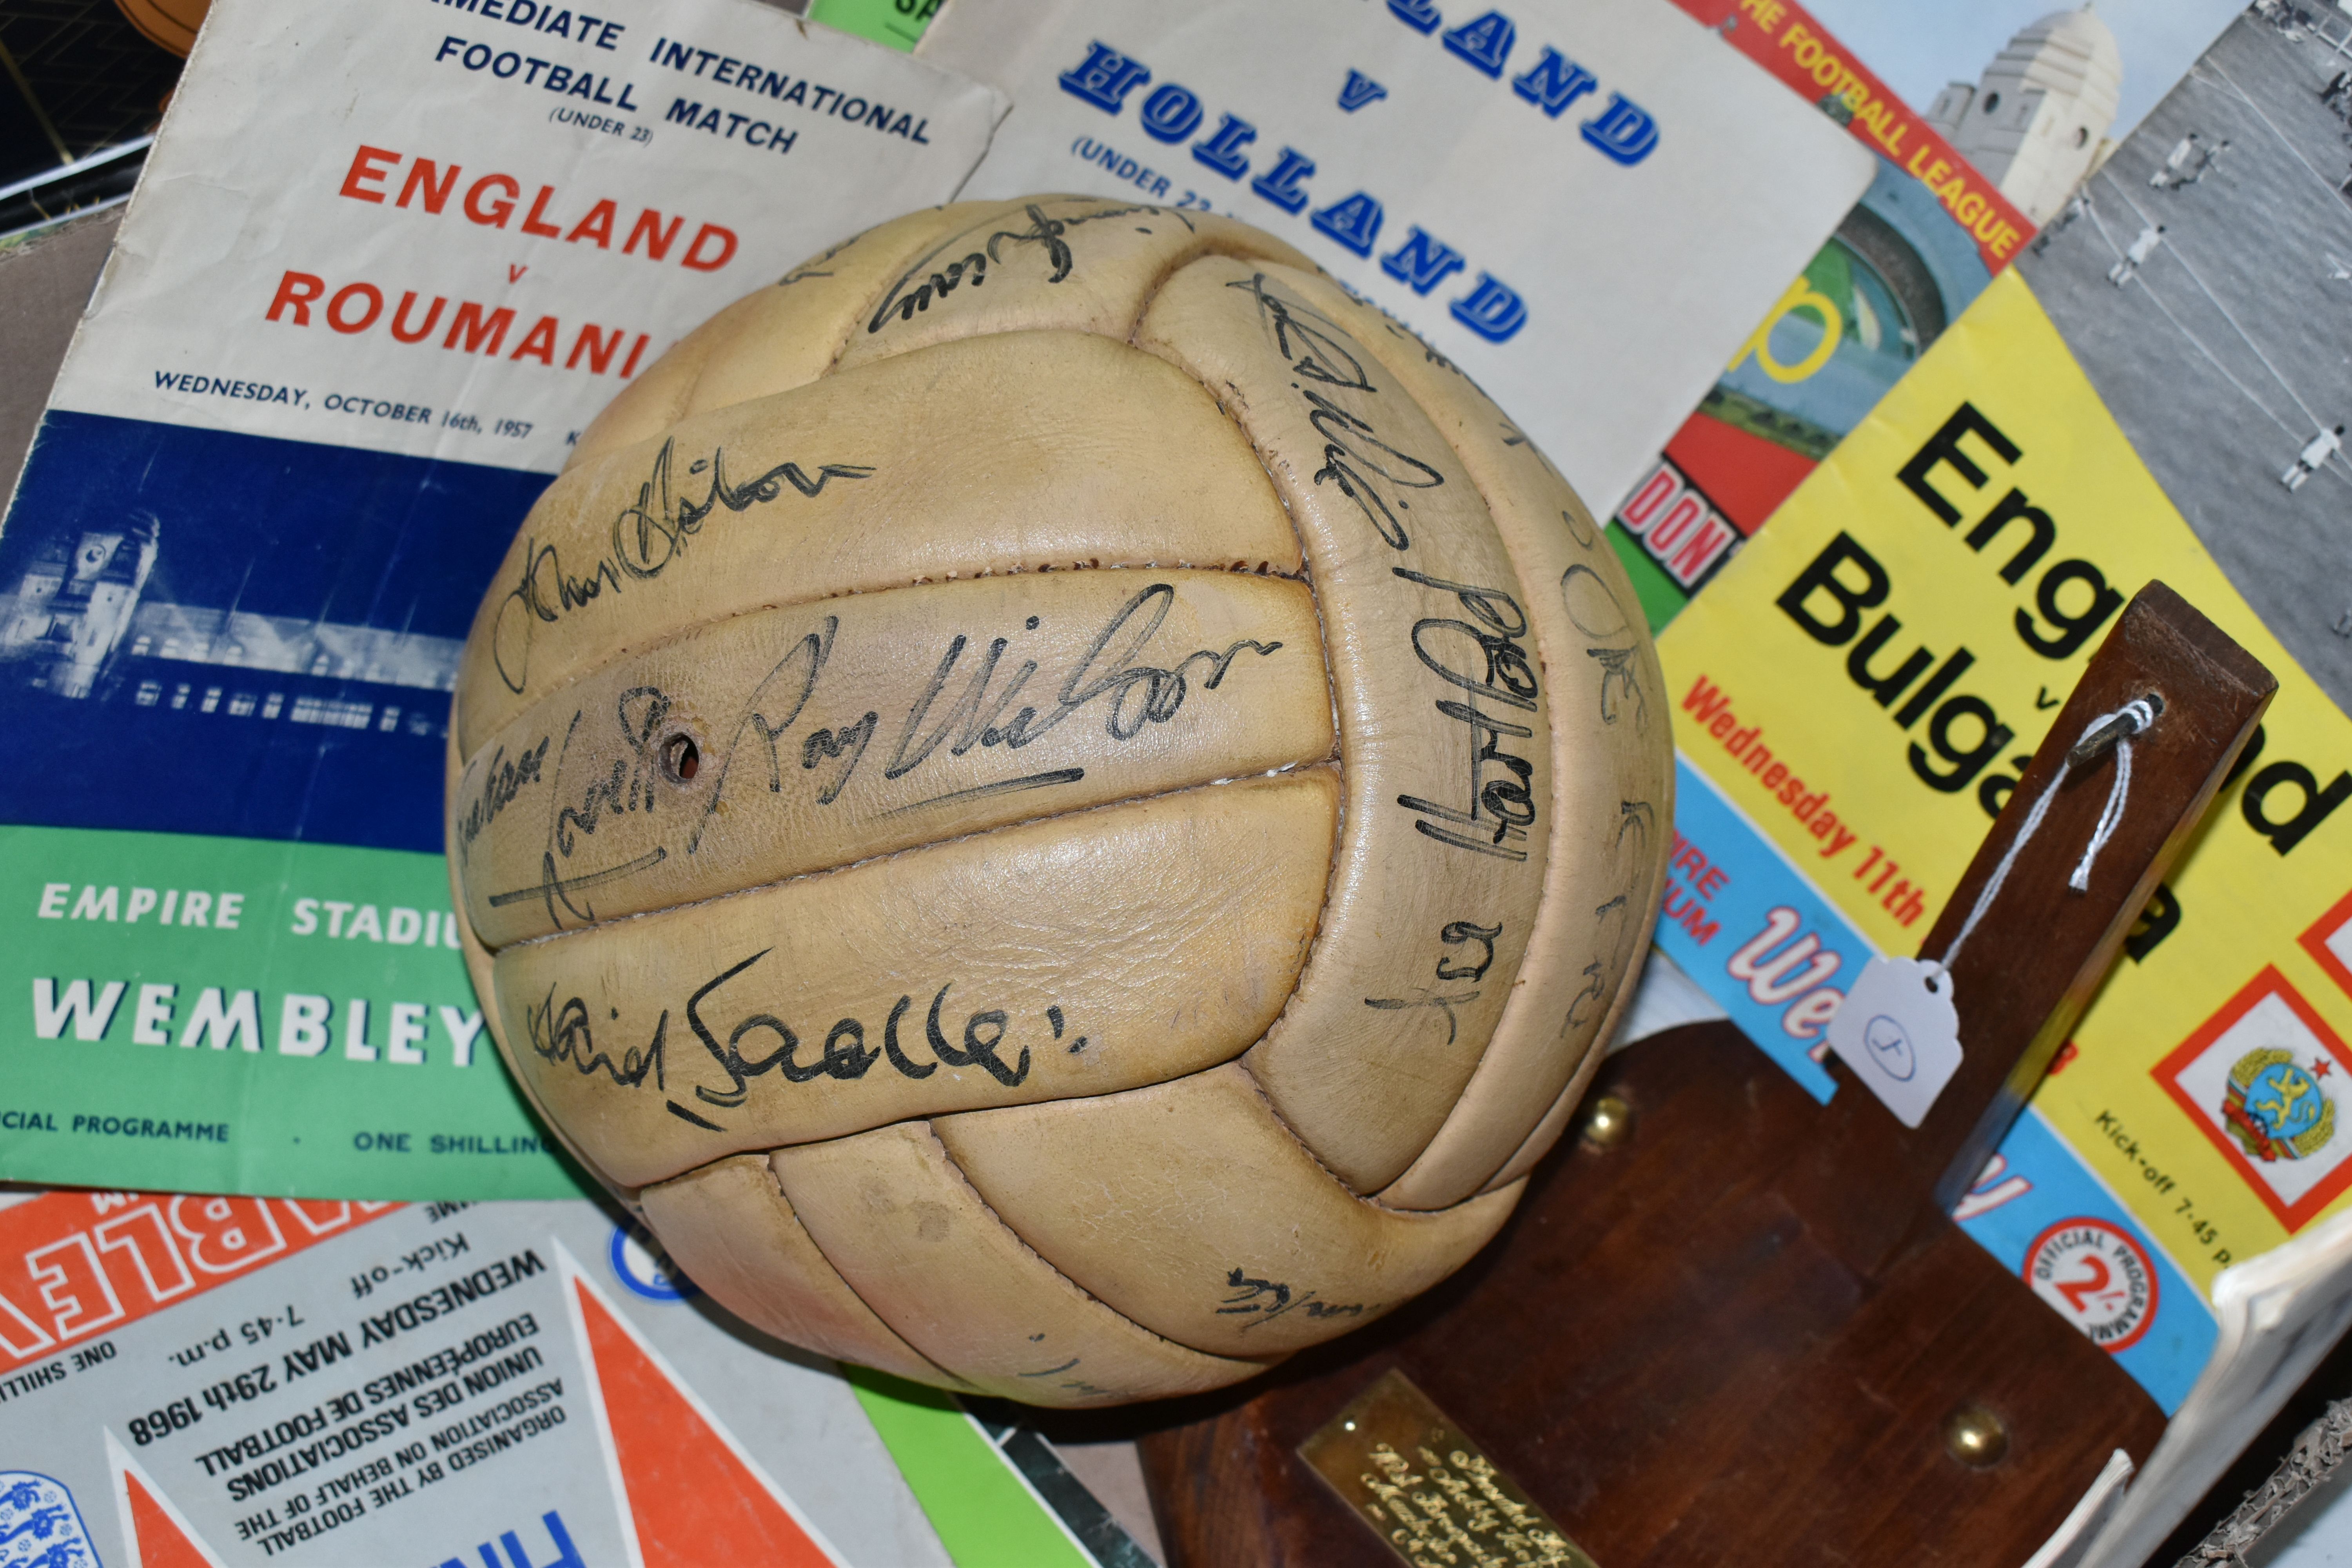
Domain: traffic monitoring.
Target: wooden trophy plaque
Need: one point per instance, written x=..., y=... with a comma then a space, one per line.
x=1728, y=1324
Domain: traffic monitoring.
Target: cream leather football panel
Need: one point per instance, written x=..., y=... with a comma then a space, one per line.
x=1107, y=457
x=1071, y=957
x=784, y=742
x=895, y=1216
x=1444, y=727
x=482, y=971
x=1554, y=1124
x=1079, y=263
x=1189, y=1208
x=1228, y=1014
x=780, y=337
x=729, y=1228
x=1613, y=771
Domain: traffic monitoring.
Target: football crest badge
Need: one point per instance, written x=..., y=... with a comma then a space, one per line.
x=40, y=1525
x=2276, y=1108
x=2259, y=1079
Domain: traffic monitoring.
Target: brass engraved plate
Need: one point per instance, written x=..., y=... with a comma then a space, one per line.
x=1403, y=1467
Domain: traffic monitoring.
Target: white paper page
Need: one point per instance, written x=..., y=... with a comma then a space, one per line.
x=620, y=181
x=2278, y=1314
x=269, y=1380
x=1636, y=193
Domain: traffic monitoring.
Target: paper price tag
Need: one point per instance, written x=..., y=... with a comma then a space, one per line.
x=1898, y=1031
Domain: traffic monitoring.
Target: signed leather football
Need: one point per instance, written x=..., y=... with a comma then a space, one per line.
x=1065, y=804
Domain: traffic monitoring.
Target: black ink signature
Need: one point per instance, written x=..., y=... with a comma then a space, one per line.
x=1500, y=783
x=641, y=713
x=1249, y=1300
x=502, y=780
x=1457, y=933
x=629, y=786
x=1425, y=997
x=647, y=536
x=1318, y=347
x=908, y=296
x=1002, y=786
x=1593, y=605
x=1640, y=818
x=651, y=533
x=985, y=712
x=809, y=655
x=844, y=1055
x=1454, y=933
x=1102, y=671
x=564, y=1033
x=1354, y=457
x=1109, y=677
x=1610, y=963
x=1375, y=476
x=1580, y=532
x=551, y=886
x=809, y=269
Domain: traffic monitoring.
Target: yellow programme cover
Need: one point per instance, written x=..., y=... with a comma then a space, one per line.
x=1854, y=697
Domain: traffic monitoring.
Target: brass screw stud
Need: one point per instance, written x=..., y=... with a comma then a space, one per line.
x=1608, y=1122
x=1975, y=1437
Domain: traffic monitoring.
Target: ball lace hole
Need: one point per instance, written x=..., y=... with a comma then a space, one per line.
x=681, y=758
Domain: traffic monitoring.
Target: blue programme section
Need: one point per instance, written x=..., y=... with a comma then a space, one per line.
x=1753, y=935
x=210, y=633
x=2034, y=1187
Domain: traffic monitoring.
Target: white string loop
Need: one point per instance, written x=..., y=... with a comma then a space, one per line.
x=2112, y=815
x=2135, y=717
